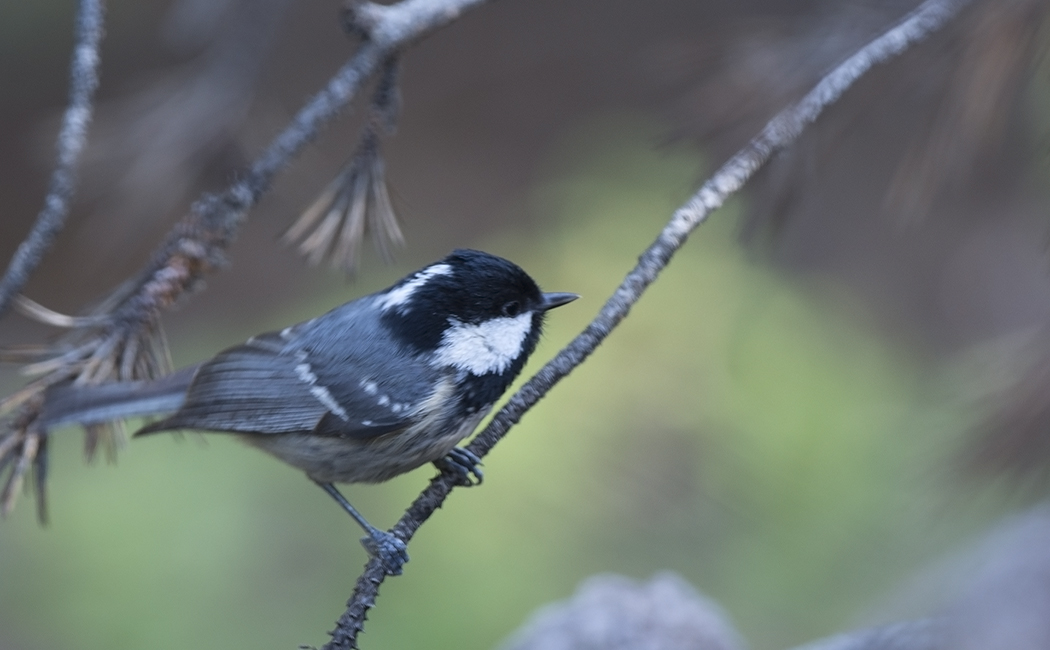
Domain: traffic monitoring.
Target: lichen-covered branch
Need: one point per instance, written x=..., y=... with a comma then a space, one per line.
x=83, y=80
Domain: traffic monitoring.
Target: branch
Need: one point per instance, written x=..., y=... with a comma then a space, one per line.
x=83, y=80
x=196, y=244
x=781, y=131
x=123, y=340
x=147, y=148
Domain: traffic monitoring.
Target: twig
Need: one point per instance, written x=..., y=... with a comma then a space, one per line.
x=83, y=80
x=781, y=131
x=125, y=341
x=357, y=202
x=196, y=244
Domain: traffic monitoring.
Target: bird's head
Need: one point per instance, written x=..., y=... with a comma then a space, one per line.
x=473, y=311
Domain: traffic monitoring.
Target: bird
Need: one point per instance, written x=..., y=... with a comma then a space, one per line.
x=369, y=390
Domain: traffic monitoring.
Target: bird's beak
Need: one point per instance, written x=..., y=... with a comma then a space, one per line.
x=552, y=300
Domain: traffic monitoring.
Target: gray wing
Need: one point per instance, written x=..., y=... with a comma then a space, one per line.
x=376, y=384
x=270, y=385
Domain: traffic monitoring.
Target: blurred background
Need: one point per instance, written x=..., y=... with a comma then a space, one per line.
x=839, y=384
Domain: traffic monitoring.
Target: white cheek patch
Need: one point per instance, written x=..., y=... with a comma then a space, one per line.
x=399, y=297
x=488, y=347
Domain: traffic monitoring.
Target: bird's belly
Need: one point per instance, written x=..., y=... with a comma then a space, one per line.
x=330, y=459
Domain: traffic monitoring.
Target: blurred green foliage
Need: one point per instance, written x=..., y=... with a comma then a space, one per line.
x=750, y=432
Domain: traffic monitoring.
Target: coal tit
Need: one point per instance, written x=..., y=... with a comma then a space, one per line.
x=372, y=389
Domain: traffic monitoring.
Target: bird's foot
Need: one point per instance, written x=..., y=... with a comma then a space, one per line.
x=461, y=464
x=390, y=550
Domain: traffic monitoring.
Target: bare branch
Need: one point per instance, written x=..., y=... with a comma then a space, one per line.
x=195, y=246
x=83, y=80
x=148, y=144
x=393, y=26
x=781, y=131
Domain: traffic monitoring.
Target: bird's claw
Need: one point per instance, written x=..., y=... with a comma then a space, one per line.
x=461, y=464
x=390, y=550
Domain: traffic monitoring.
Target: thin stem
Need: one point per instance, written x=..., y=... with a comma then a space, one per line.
x=196, y=245
x=83, y=80
x=781, y=131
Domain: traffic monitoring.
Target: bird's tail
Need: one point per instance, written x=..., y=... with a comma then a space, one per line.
x=69, y=404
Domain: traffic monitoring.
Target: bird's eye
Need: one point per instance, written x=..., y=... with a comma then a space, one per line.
x=512, y=308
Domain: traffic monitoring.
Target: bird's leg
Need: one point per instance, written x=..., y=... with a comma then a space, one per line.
x=390, y=550
x=461, y=463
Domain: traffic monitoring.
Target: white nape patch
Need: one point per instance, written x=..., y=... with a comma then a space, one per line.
x=399, y=297
x=320, y=392
x=484, y=348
